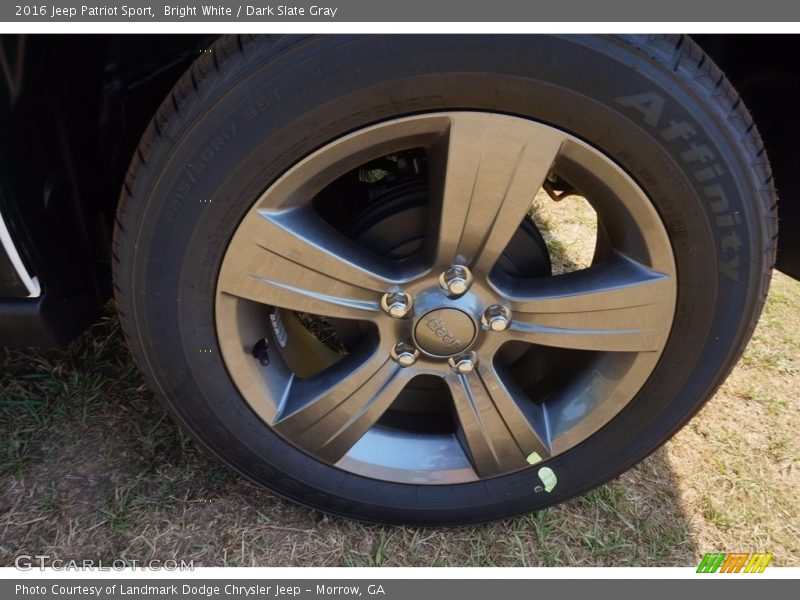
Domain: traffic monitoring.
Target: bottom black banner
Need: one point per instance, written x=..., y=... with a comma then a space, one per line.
x=378, y=588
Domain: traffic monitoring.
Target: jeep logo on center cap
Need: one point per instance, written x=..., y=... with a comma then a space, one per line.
x=438, y=327
x=444, y=332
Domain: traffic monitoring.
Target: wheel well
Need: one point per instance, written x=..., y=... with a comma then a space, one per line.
x=765, y=70
x=72, y=110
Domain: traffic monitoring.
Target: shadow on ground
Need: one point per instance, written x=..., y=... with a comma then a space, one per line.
x=92, y=467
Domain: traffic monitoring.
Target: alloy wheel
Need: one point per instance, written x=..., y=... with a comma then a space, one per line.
x=447, y=311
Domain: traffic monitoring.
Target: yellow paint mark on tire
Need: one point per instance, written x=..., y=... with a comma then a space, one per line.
x=549, y=479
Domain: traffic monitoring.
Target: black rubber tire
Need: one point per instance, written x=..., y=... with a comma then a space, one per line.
x=253, y=106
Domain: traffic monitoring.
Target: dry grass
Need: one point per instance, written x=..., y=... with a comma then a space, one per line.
x=91, y=467
x=569, y=228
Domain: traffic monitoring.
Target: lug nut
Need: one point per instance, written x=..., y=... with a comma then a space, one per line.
x=496, y=318
x=396, y=304
x=404, y=354
x=456, y=280
x=464, y=363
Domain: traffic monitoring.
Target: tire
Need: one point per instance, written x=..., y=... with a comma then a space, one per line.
x=247, y=113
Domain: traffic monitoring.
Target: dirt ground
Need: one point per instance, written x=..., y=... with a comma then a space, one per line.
x=91, y=467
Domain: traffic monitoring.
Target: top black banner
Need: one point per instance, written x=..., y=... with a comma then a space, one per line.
x=464, y=11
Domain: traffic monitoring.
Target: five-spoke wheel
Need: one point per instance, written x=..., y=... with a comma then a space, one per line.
x=447, y=311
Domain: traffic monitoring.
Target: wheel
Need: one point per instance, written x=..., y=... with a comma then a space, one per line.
x=329, y=267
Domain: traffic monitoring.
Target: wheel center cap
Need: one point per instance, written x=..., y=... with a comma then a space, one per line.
x=444, y=332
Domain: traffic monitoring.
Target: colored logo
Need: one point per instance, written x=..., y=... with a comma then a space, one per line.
x=734, y=562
